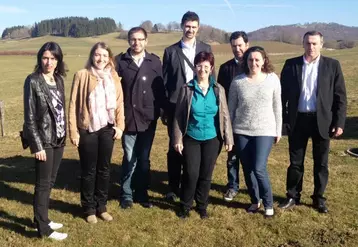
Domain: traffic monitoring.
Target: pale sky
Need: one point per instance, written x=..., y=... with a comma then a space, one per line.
x=247, y=15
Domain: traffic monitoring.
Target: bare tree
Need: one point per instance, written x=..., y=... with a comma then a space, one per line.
x=119, y=26
x=159, y=28
x=147, y=25
x=173, y=26
x=123, y=35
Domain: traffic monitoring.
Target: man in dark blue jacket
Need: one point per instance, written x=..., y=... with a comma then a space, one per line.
x=144, y=95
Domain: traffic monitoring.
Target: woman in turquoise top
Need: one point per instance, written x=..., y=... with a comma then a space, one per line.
x=201, y=125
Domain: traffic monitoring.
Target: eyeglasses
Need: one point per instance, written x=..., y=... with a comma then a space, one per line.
x=203, y=67
x=138, y=40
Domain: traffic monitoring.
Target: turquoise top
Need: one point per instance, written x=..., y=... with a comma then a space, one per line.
x=204, y=108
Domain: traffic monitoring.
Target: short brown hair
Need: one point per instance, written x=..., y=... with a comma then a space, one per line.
x=267, y=67
x=104, y=46
x=204, y=56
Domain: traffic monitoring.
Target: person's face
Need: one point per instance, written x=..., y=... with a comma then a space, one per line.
x=255, y=61
x=48, y=62
x=312, y=45
x=137, y=42
x=100, y=58
x=203, y=70
x=190, y=29
x=238, y=47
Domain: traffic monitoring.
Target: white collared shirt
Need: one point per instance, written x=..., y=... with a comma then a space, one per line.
x=308, y=96
x=139, y=61
x=189, y=52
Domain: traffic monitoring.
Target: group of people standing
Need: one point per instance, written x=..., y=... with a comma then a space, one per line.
x=245, y=110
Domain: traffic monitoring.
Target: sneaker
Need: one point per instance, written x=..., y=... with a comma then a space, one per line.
x=269, y=212
x=55, y=226
x=92, y=219
x=254, y=208
x=171, y=196
x=126, y=204
x=58, y=236
x=106, y=216
x=229, y=195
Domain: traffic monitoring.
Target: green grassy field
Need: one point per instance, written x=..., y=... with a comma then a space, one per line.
x=229, y=224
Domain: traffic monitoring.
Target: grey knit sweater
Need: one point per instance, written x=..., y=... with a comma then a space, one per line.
x=255, y=107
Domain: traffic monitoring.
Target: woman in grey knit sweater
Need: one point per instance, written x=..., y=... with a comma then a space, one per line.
x=256, y=114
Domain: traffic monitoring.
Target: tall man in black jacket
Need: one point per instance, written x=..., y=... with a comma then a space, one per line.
x=176, y=72
x=314, y=104
x=227, y=72
x=144, y=95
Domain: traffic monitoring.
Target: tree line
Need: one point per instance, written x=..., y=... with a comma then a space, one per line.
x=66, y=27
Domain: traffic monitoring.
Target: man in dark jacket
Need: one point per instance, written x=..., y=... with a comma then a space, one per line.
x=178, y=69
x=314, y=105
x=227, y=72
x=144, y=95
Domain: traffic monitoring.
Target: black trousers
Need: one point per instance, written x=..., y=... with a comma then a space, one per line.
x=95, y=151
x=200, y=158
x=46, y=172
x=174, y=159
x=306, y=127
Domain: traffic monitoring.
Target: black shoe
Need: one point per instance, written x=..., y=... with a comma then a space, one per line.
x=320, y=206
x=184, y=213
x=126, y=204
x=146, y=204
x=288, y=203
x=203, y=214
x=171, y=197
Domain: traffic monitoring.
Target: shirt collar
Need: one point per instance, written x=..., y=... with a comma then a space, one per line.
x=313, y=62
x=139, y=58
x=183, y=45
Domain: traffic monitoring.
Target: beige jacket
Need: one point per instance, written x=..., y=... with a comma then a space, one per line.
x=84, y=82
x=182, y=112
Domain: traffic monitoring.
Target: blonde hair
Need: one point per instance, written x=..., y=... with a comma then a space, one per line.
x=102, y=45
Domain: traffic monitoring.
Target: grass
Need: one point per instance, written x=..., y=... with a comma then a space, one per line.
x=229, y=224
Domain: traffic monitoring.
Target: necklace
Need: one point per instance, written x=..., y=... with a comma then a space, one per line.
x=49, y=78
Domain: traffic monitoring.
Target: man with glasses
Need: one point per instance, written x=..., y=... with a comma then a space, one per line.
x=178, y=69
x=144, y=95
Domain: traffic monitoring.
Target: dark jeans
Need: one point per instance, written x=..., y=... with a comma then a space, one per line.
x=175, y=161
x=200, y=158
x=95, y=150
x=306, y=127
x=233, y=166
x=253, y=152
x=136, y=164
x=46, y=172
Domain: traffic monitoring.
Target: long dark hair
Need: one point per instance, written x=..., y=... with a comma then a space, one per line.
x=56, y=51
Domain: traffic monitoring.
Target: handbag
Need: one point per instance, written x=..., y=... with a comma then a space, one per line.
x=24, y=140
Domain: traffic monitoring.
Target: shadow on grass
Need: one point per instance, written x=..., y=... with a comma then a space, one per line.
x=20, y=169
x=17, y=224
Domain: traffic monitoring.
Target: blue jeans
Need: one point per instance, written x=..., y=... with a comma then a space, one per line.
x=136, y=164
x=253, y=152
x=233, y=166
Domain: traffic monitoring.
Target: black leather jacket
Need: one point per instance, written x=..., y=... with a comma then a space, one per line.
x=39, y=121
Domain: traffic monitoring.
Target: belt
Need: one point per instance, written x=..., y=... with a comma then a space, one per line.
x=308, y=114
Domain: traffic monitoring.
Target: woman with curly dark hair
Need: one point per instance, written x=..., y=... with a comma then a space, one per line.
x=256, y=115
